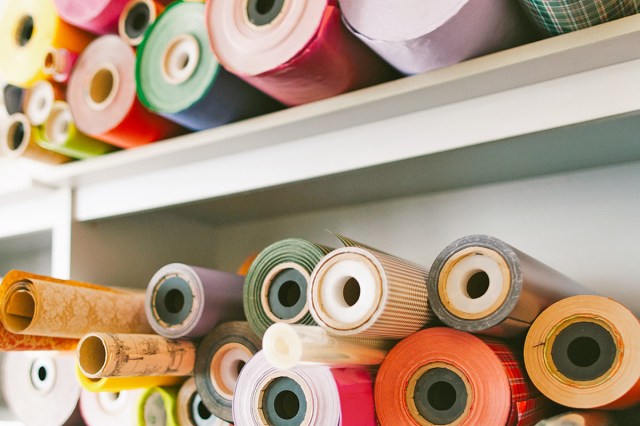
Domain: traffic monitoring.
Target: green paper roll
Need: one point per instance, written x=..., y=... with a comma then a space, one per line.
x=158, y=406
x=272, y=293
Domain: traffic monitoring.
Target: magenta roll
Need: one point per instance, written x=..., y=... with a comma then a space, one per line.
x=188, y=301
x=95, y=16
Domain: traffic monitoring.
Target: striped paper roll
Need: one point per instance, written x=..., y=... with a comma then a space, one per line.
x=102, y=97
x=445, y=376
x=361, y=291
x=311, y=396
x=96, y=16
x=584, y=352
x=59, y=134
x=480, y=284
x=289, y=346
x=562, y=16
x=28, y=29
x=58, y=64
x=580, y=418
x=136, y=17
x=220, y=357
x=39, y=99
x=110, y=408
x=421, y=35
x=119, y=384
x=295, y=51
x=191, y=410
x=42, y=306
x=13, y=97
x=17, y=140
x=134, y=355
x=276, y=286
x=40, y=389
x=188, y=301
x=158, y=407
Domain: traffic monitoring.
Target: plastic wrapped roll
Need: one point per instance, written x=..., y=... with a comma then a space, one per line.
x=28, y=29
x=40, y=389
x=364, y=292
x=220, y=357
x=134, y=355
x=191, y=409
x=295, y=51
x=480, y=284
x=58, y=64
x=96, y=16
x=59, y=134
x=417, y=35
x=307, y=396
x=136, y=17
x=276, y=286
x=179, y=78
x=17, y=140
x=445, y=376
x=39, y=99
x=585, y=418
x=289, y=346
x=584, y=352
x=157, y=406
x=188, y=301
x=119, y=384
x=110, y=408
x=13, y=97
x=41, y=306
x=102, y=97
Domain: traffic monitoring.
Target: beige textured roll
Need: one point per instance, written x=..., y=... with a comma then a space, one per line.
x=584, y=352
x=134, y=355
x=35, y=305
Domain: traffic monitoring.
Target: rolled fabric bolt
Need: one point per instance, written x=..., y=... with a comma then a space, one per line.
x=17, y=140
x=191, y=410
x=131, y=355
x=95, y=16
x=136, y=17
x=188, y=301
x=39, y=100
x=306, y=396
x=13, y=97
x=157, y=406
x=289, y=346
x=584, y=352
x=580, y=418
x=221, y=356
x=119, y=384
x=110, y=408
x=481, y=284
x=58, y=64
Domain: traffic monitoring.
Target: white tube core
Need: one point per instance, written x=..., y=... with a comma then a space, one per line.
x=282, y=346
x=112, y=402
x=180, y=59
x=38, y=102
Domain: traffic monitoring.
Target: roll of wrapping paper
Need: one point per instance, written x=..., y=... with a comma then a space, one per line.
x=246, y=264
x=445, y=376
x=157, y=406
x=40, y=389
x=276, y=286
x=134, y=355
x=188, y=301
x=58, y=64
x=110, y=408
x=17, y=140
x=13, y=98
x=584, y=418
x=179, y=78
x=295, y=51
x=39, y=100
x=191, y=410
x=119, y=384
x=480, y=284
x=554, y=17
x=35, y=305
x=28, y=29
x=220, y=357
x=360, y=291
x=289, y=346
x=96, y=16
x=417, y=35
x=59, y=134
x=308, y=396
x=136, y=17
x=102, y=97
x=584, y=352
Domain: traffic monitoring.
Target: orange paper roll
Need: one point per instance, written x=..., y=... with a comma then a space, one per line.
x=103, y=101
x=584, y=352
x=17, y=140
x=137, y=16
x=132, y=355
x=118, y=384
x=28, y=29
x=448, y=377
x=42, y=306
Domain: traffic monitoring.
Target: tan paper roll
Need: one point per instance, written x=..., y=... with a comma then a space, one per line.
x=42, y=306
x=134, y=355
x=584, y=352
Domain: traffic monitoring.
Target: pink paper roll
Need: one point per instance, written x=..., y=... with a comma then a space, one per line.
x=96, y=16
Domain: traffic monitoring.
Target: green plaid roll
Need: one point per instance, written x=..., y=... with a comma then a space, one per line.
x=562, y=16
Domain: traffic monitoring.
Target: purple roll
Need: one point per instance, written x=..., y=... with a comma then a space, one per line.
x=188, y=301
x=422, y=35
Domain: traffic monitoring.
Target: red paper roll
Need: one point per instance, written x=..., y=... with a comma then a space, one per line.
x=445, y=376
x=96, y=16
x=102, y=97
x=295, y=51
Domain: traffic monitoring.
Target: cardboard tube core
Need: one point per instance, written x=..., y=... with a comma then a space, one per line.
x=57, y=126
x=263, y=12
x=20, y=309
x=92, y=355
x=283, y=402
x=17, y=135
x=137, y=20
x=226, y=365
x=180, y=59
x=103, y=86
x=199, y=412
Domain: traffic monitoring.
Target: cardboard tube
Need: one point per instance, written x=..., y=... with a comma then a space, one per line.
x=136, y=17
x=584, y=352
x=119, y=384
x=191, y=410
x=17, y=139
x=110, y=408
x=158, y=406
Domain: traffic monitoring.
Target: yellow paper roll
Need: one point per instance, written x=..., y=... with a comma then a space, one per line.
x=158, y=406
x=118, y=384
x=28, y=29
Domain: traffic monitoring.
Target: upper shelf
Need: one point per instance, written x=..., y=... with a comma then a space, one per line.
x=558, y=104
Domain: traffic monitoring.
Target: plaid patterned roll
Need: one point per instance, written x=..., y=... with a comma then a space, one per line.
x=562, y=16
